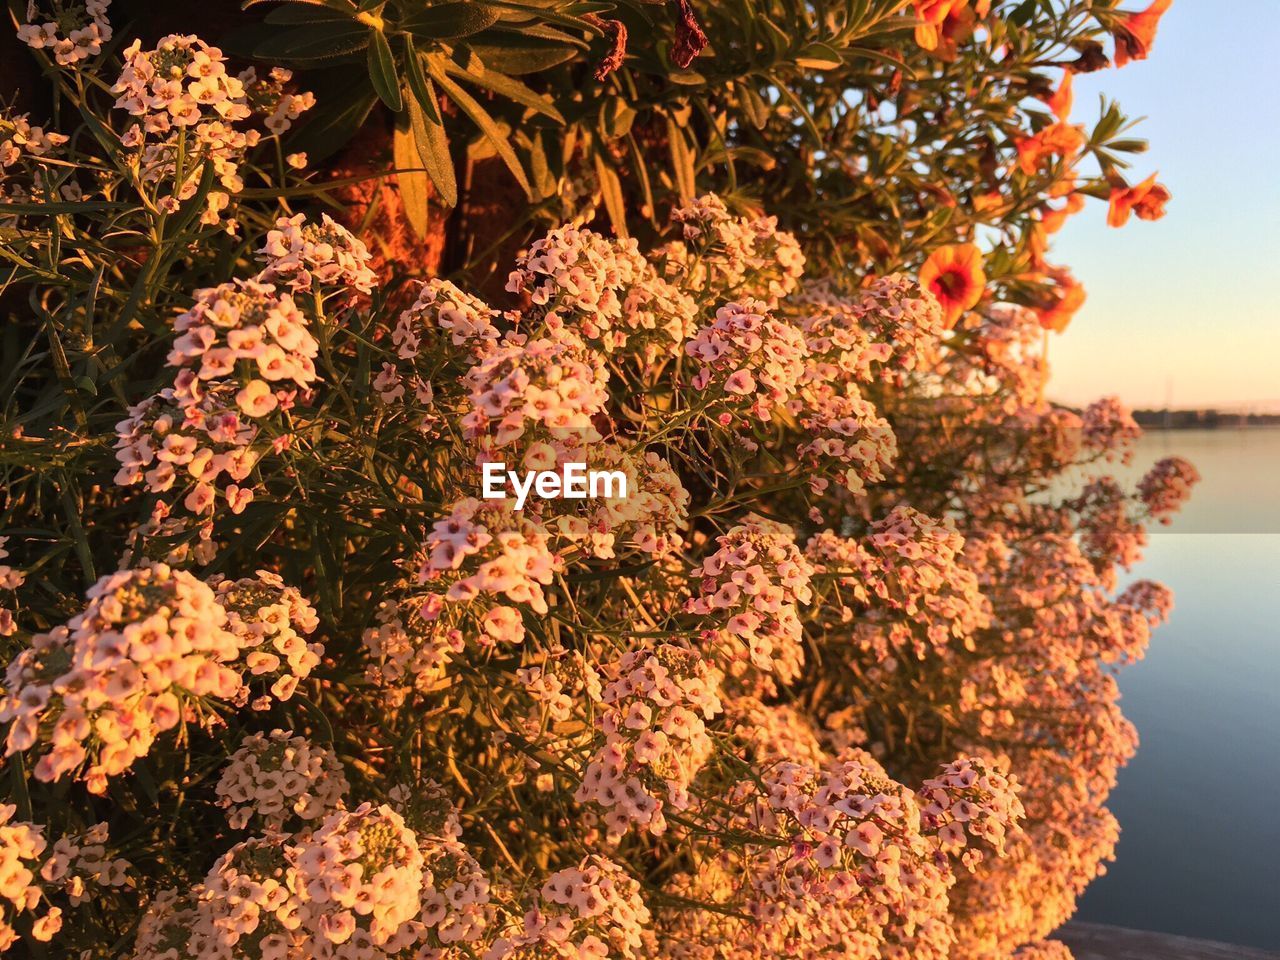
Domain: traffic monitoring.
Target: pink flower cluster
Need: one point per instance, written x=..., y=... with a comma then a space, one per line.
x=893, y=322
x=542, y=393
x=557, y=685
x=849, y=441
x=437, y=339
x=408, y=649
x=652, y=717
x=971, y=799
x=167, y=440
x=242, y=354
x=31, y=871
x=648, y=519
x=72, y=30
x=361, y=872
x=275, y=777
x=752, y=588
x=843, y=866
x=908, y=578
x=190, y=111
x=1108, y=428
x=589, y=912
x=728, y=257
x=270, y=620
x=320, y=258
x=483, y=549
x=97, y=692
x=268, y=98
x=364, y=885
x=603, y=290
x=244, y=325
x=151, y=645
x=21, y=146
x=248, y=906
x=10, y=580
x=1167, y=486
x=750, y=363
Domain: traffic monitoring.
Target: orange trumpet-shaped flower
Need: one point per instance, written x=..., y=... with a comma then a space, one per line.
x=1060, y=139
x=1147, y=200
x=1067, y=298
x=1060, y=101
x=955, y=276
x=931, y=15
x=1135, y=34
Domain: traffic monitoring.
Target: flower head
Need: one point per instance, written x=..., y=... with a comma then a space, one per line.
x=1136, y=33
x=954, y=275
x=1147, y=200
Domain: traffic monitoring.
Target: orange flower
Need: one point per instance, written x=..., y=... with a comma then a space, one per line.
x=1066, y=298
x=1147, y=200
x=1135, y=34
x=1052, y=219
x=931, y=15
x=1060, y=101
x=1057, y=139
x=959, y=27
x=955, y=276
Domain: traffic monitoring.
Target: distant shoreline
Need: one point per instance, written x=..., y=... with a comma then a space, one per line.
x=1202, y=419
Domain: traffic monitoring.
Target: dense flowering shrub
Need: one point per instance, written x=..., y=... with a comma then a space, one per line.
x=834, y=676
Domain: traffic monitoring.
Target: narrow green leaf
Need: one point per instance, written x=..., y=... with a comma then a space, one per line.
x=516, y=56
x=681, y=161
x=819, y=56
x=433, y=150
x=506, y=86
x=539, y=169
x=313, y=43
x=611, y=187
x=450, y=21
x=382, y=71
x=411, y=176
x=468, y=105
x=419, y=85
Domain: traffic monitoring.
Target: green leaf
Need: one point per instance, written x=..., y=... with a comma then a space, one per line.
x=616, y=117
x=540, y=170
x=313, y=43
x=1133, y=145
x=410, y=175
x=419, y=85
x=382, y=71
x=819, y=56
x=450, y=21
x=303, y=11
x=467, y=104
x=520, y=55
x=681, y=161
x=433, y=150
x=753, y=105
x=611, y=187
x=506, y=86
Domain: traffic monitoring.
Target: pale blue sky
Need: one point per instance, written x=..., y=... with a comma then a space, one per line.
x=1191, y=302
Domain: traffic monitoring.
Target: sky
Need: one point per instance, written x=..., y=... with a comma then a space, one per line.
x=1186, y=310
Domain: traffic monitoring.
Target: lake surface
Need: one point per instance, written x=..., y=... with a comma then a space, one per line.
x=1199, y=806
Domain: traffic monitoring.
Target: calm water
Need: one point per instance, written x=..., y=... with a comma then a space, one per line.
x=1200, y=804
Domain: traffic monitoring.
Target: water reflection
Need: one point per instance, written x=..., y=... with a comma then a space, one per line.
x=1200, y=849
